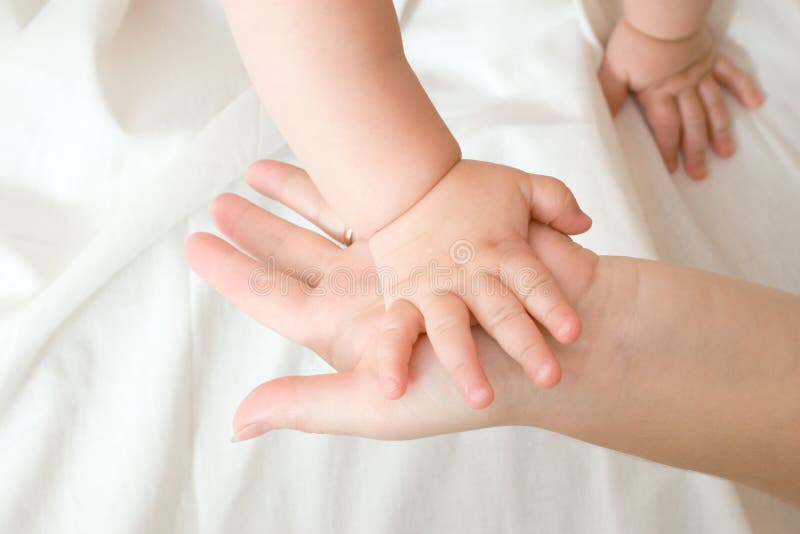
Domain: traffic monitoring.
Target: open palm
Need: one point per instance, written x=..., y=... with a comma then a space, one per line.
x=312, y=291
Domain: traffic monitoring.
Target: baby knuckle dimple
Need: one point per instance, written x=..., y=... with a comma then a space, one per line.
x=505, y=255
x=389, y=342
x=461, y=369
x=669, y=152
x=530, y=356
x=713, y=101
x=445, y=324
x=700, y=69
x=504, y=315
x=695, y=152
x=543, y=286
x=664, y=119
x=722, y=130
x=392, y=329
x=524, y=281
x=695, y=119
x=663, y=116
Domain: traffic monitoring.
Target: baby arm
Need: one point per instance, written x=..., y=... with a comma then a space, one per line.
x=668, y=20
x=664, y=54
x=334, y=78
x=336, y=81
x=687, y=368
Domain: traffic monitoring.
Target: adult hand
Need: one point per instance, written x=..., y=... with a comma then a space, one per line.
x=463, y=249
x=658, y=371
x=301, y=298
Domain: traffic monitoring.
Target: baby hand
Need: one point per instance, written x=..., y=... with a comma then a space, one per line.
x=464, y=247
x=678, y=85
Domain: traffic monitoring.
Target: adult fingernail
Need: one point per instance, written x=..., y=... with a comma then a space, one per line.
x=251, y=431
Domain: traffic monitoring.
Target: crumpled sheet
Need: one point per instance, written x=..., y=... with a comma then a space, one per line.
x=121, y=119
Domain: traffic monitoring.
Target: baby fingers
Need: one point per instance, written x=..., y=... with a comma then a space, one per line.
x=737, y=82
x=665, y=121
x=402, y=324
x=719, y=123
x=536, y=288
x=447, y=325
x=504, y=318
x=551, y=202
x=695, y=134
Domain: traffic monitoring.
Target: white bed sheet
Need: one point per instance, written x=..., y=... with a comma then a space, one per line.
x=119, y=122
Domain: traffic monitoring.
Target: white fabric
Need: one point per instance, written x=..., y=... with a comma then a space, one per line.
x=120, y=370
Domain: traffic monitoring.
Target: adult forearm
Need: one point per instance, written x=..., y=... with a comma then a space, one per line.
x=334, y=78
x=666, y=19
x=705, y=375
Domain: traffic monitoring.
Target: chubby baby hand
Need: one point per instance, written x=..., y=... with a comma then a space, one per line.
x=679, y=86
x=464, y=248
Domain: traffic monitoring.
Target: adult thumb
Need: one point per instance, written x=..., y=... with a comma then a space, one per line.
x=339, y=403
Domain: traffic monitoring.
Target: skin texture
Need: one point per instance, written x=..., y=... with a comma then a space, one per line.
x=668, y=20
x=683, y=367
x=494, y=274
x=679, y=85
x=686, y=368
x=335, y=80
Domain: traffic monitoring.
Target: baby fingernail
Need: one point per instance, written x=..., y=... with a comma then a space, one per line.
x=251, y=431
x=479, y=395
x=696, y=169
x=390, y=386
x=565, y=329
x=543, y=374
x=725, y=146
